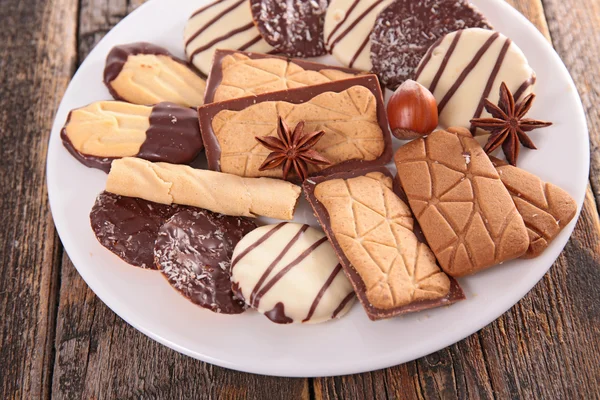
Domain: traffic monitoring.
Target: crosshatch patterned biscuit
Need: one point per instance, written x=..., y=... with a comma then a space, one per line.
x=545, y=208
x=237, y=74
x=372, y=230
x=350, y=112
x=105, y=130
x=146, y=74
x=466, y=213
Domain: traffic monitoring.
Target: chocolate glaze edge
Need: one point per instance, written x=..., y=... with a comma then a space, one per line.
x=374, y=313
x=207, y=112
x=216, y=72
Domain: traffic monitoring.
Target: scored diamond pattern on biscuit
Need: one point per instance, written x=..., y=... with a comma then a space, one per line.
x=349, y=120
x=374, y=228
x=444, y=176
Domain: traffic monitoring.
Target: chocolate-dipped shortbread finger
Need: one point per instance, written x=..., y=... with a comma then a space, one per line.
x=350, y=112
x=464, y=210
x=193, y=250
x=106, y=130
x=236, y=74
x=546, y=209
x=373, y=232
x=215, y=191
x=146, y=74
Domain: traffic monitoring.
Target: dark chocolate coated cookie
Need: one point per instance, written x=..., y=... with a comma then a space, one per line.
x=193, y=250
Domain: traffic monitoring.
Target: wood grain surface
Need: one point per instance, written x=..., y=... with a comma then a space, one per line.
x=59, y=340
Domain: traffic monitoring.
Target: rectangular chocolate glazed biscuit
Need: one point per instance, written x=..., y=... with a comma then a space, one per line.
x=545, y=208
x=372, y=230
x=237, y=74
x=466, y=213
x=351, y=112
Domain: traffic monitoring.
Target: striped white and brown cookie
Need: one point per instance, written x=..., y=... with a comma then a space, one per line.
x=146, y=74
x=290, y=273
x=222, y=24
x=468, y=66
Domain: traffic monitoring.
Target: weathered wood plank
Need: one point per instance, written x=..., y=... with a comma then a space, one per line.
x=544, y=347
x=33, y=76
x=100, y=356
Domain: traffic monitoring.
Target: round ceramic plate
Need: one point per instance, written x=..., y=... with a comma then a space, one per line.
x=250, y=342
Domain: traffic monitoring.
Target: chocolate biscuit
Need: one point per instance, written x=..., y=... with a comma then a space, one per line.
x=350, y=112
x=146, y=74
x=237, y=74
x=466, y=213
x=372, y=230
x=546, y=209
x=106, y=130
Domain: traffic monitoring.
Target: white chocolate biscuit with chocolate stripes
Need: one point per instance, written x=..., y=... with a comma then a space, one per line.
x=290, y=273
x=347, y=30
x=465, y=67
x=215, y=191
x=222, y=24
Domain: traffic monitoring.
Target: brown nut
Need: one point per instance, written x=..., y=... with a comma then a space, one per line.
x=412, y=111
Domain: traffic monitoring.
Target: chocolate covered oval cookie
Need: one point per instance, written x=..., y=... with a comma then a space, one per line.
x=293, y=28
x=127, y=226
x=290, y=273
x=105, y=130
x=405, y=30
x=142, y=73
x=193, y=250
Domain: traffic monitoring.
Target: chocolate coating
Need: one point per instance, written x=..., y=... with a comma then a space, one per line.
x=296, y=96
x=128, y=226
x=193, y=250
x=455, y=294
x=277, y=315
x=405, y=30
x=173, y=137
x=216, y=73
x=294, y=28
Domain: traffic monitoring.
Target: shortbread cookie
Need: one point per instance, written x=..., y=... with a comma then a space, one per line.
x=466, y=67
x=142, y=73
x=406, y=29
x=466, y=213
x=290, y=273
x=372, y=231
x=222, y=24
x=545, y=208
x=347, y=31
x=350, y=112
x=128, y=226
x=237, y=74
x=103, y=131
x=215, y=191
x=293, y=28
x=193, y=250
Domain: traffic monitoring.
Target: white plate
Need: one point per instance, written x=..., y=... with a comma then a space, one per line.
x=250, y=342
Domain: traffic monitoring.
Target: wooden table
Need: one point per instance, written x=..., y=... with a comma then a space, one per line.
x=58, y=339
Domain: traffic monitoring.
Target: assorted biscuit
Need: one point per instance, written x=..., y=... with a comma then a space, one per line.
x=268, y=122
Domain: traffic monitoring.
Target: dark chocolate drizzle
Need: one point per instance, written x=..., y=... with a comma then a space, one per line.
x=297, y=96
x=173, y=137
x=322, y=291
x=213, y=20
x=524, y=86
x=193, y=250
x=445, y=60
x=343, y=304
x=455, y=294
x=128, y=226
x=340, y=24
x=216, y=73
x=277, y=315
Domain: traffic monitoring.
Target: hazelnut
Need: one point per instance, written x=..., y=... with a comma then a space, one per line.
x=412, y=111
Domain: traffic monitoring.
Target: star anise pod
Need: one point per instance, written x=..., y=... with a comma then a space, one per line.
x=507, y=125
x=292, y=149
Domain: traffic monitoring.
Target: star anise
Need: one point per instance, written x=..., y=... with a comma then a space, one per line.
x=292, y=149
x=508, y=127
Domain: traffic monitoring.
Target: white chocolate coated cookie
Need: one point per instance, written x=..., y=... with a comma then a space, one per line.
x=347, y=30
x=290, y=273
x=465, y=67
x=222, y=24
